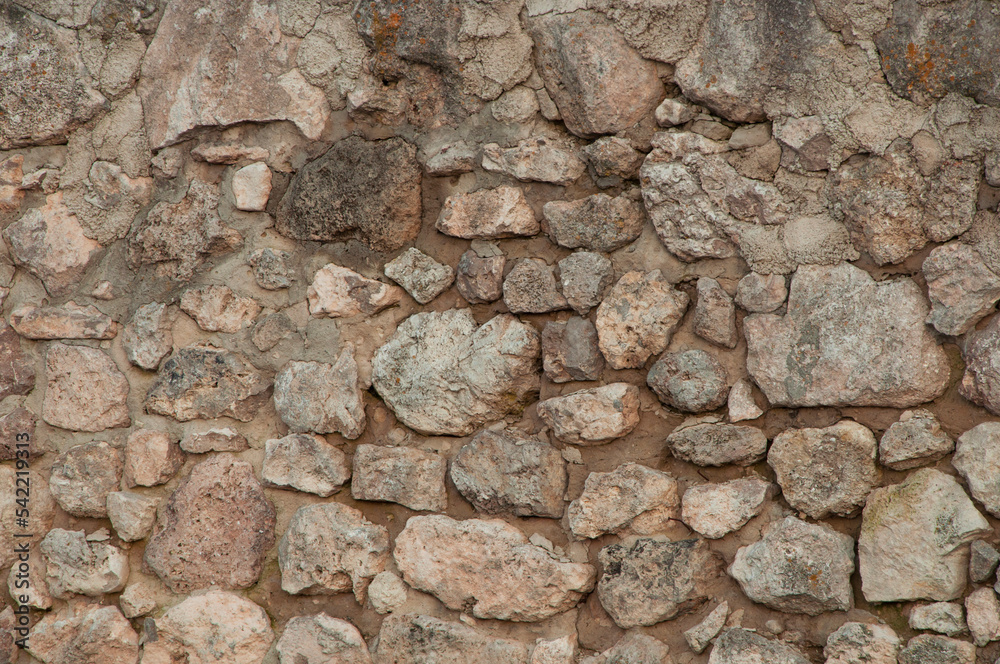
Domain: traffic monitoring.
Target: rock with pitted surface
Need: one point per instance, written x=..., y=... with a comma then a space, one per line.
x=859, y=642
x=151, y=458
x=488, y=214
x=536, y=160
x=84, y=475
x=306, y=463
x=594, y=416
x=691, y=381
x=825, y=471
x=271, y=268
x=422, y=276
x=416, y=639
x=562, y=650
x=77, y=566
x=207, y=382
x=711, y=444
x=403, y=475
x=976, y=457
x=631, y=498
x=933, y=649
x=715, y=510
x=612, y=159
x=797, y=567
x=215, y=528
x=915, y=536
x=17, y=434
x=761, y=293
x=369, y=190
x=218, y=308
x=336, y=292
x=981, y=352
x=85, y=391
x=271, y=330
x=215, y=627
x=637, y=318
x=419, y=371
x=649, y=580
x=488, y=567
x=570, y=351
x=915, y=440
x=504, y=471
x=715, y=314
x=480, y=275
x=321, y=639
x=586, y=277
x=331, y=548
x=70, y=321
x=595, y=223
x=961, y=287
x=942, y=617
x=85, y=633
x=742, y=646
x=847, y=340
x=132, y=515
x=17, y=369
x=147, y=336
x=531, y=287
x=321, y=398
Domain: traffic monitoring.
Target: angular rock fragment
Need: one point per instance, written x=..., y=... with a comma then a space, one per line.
x=270, y=268
x=975, y=459
x=422, y=276
x=692, y=381
x=14, y=426
x=488, y=567
x=637, y=318
x=218, y=308
x=562, y=650
x=304, y=462
x=715, y=314
x=942, y=617
x=903, y=552
x=207, y=382
x=858, y=642
x=805, y=145
x=530, y=287
x=17, y=369
x=570, y=351
x=761, y=293
x=321, y=398
x=214, y=530
x=419, y=371
x=585, y=277
x=981, y=375
x=331, y=548
x=631, y=497
x=961, y=287
x=846, y=340
x=488, y=214
x=214, y=440
x=415, y=639
x=635, y=648
x=797, y=567
x=26, y=583
x=480, y=277
x=699, y=636
x=69, y=321
x=710, y=444
x=403, y=475
x=915, y=440
x=364, y=189
x=825, y=471
x=85, y=391
x=213, y=627
x=983, y=559
x=595, y=223
x=252, y=187
x=715, y=510
x=506, y=472
x=136, y=600
x=600, y=84
x=740, y=402
x=320, y=638
x=132, y=515
x=933, y=649
x=535, y=160
x=267, y=333
x=147, y=336
x=151, y=458
x=673, y=112
x=741, y=646
x=650, y=580
x=386, y=592
x=77, y=566
x=451, y=159
x=183, y=235
x=337, y=292
x=613, y=158
x=85, y=633
x=84, y=475
x=982, y=614
x=594, y=416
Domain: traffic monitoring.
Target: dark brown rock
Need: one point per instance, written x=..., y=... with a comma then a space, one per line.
x=570, y=351
x=17, y=370
x=18, y=426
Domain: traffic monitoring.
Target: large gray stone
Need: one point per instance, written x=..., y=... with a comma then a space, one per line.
x=632, y=497
x=321, y=398
x=915, y=440
x=403, y=475
x=595, y=223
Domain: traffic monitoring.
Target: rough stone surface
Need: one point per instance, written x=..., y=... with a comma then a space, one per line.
x=151, y=458
x=70, y=321
x=649, y=581
x=321, y=398
x=412, y=639
x=14, y=426
x=403, y=475
x=631, y=497
x=320, y=638
x=214, y=440
x=85, y=633
x=980, y=379
x=218, y=308
x=17, y=371
x=798, y=567
x=961, y=287
x=136, y=600
x=699, y=636
x=306, y=463
x=586, y=277
x=570, y=351
x=85, y=391
x=422, y=276
x=207, y=382
x=983, y=559
x=710, y=444
x=637, y=318
x=337, y=292
x=132, y=515
x=594, y=416
x=825, y=471
x=506, y=472
x=915, y=440
x=715, y=314
x=252, y=187
x=417, y=372
x=535, y=160
x=531, y=288
x=331, y=548
x=271, y=268
x=271, y=330
x=740, y=646
x=741, y=403
x=942, y=617
x=386, y=592
x=488, y=567
x=715, y=510
x=147, y=336
x=982, y=613
x=692, y=381
x=479, y=278
x=846, y=340
x=76, y=566
x=83, y=476
x=595, y=223
x=613, y=159
x=859, y=642
x=975, y=459
x=488, y=214
x=933, y=649
x=903, y=551
x=634, y=648
x=215, y=528
x=761, y=293
x=364, y=189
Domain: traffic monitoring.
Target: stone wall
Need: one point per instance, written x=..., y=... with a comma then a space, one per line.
x=545, y=332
